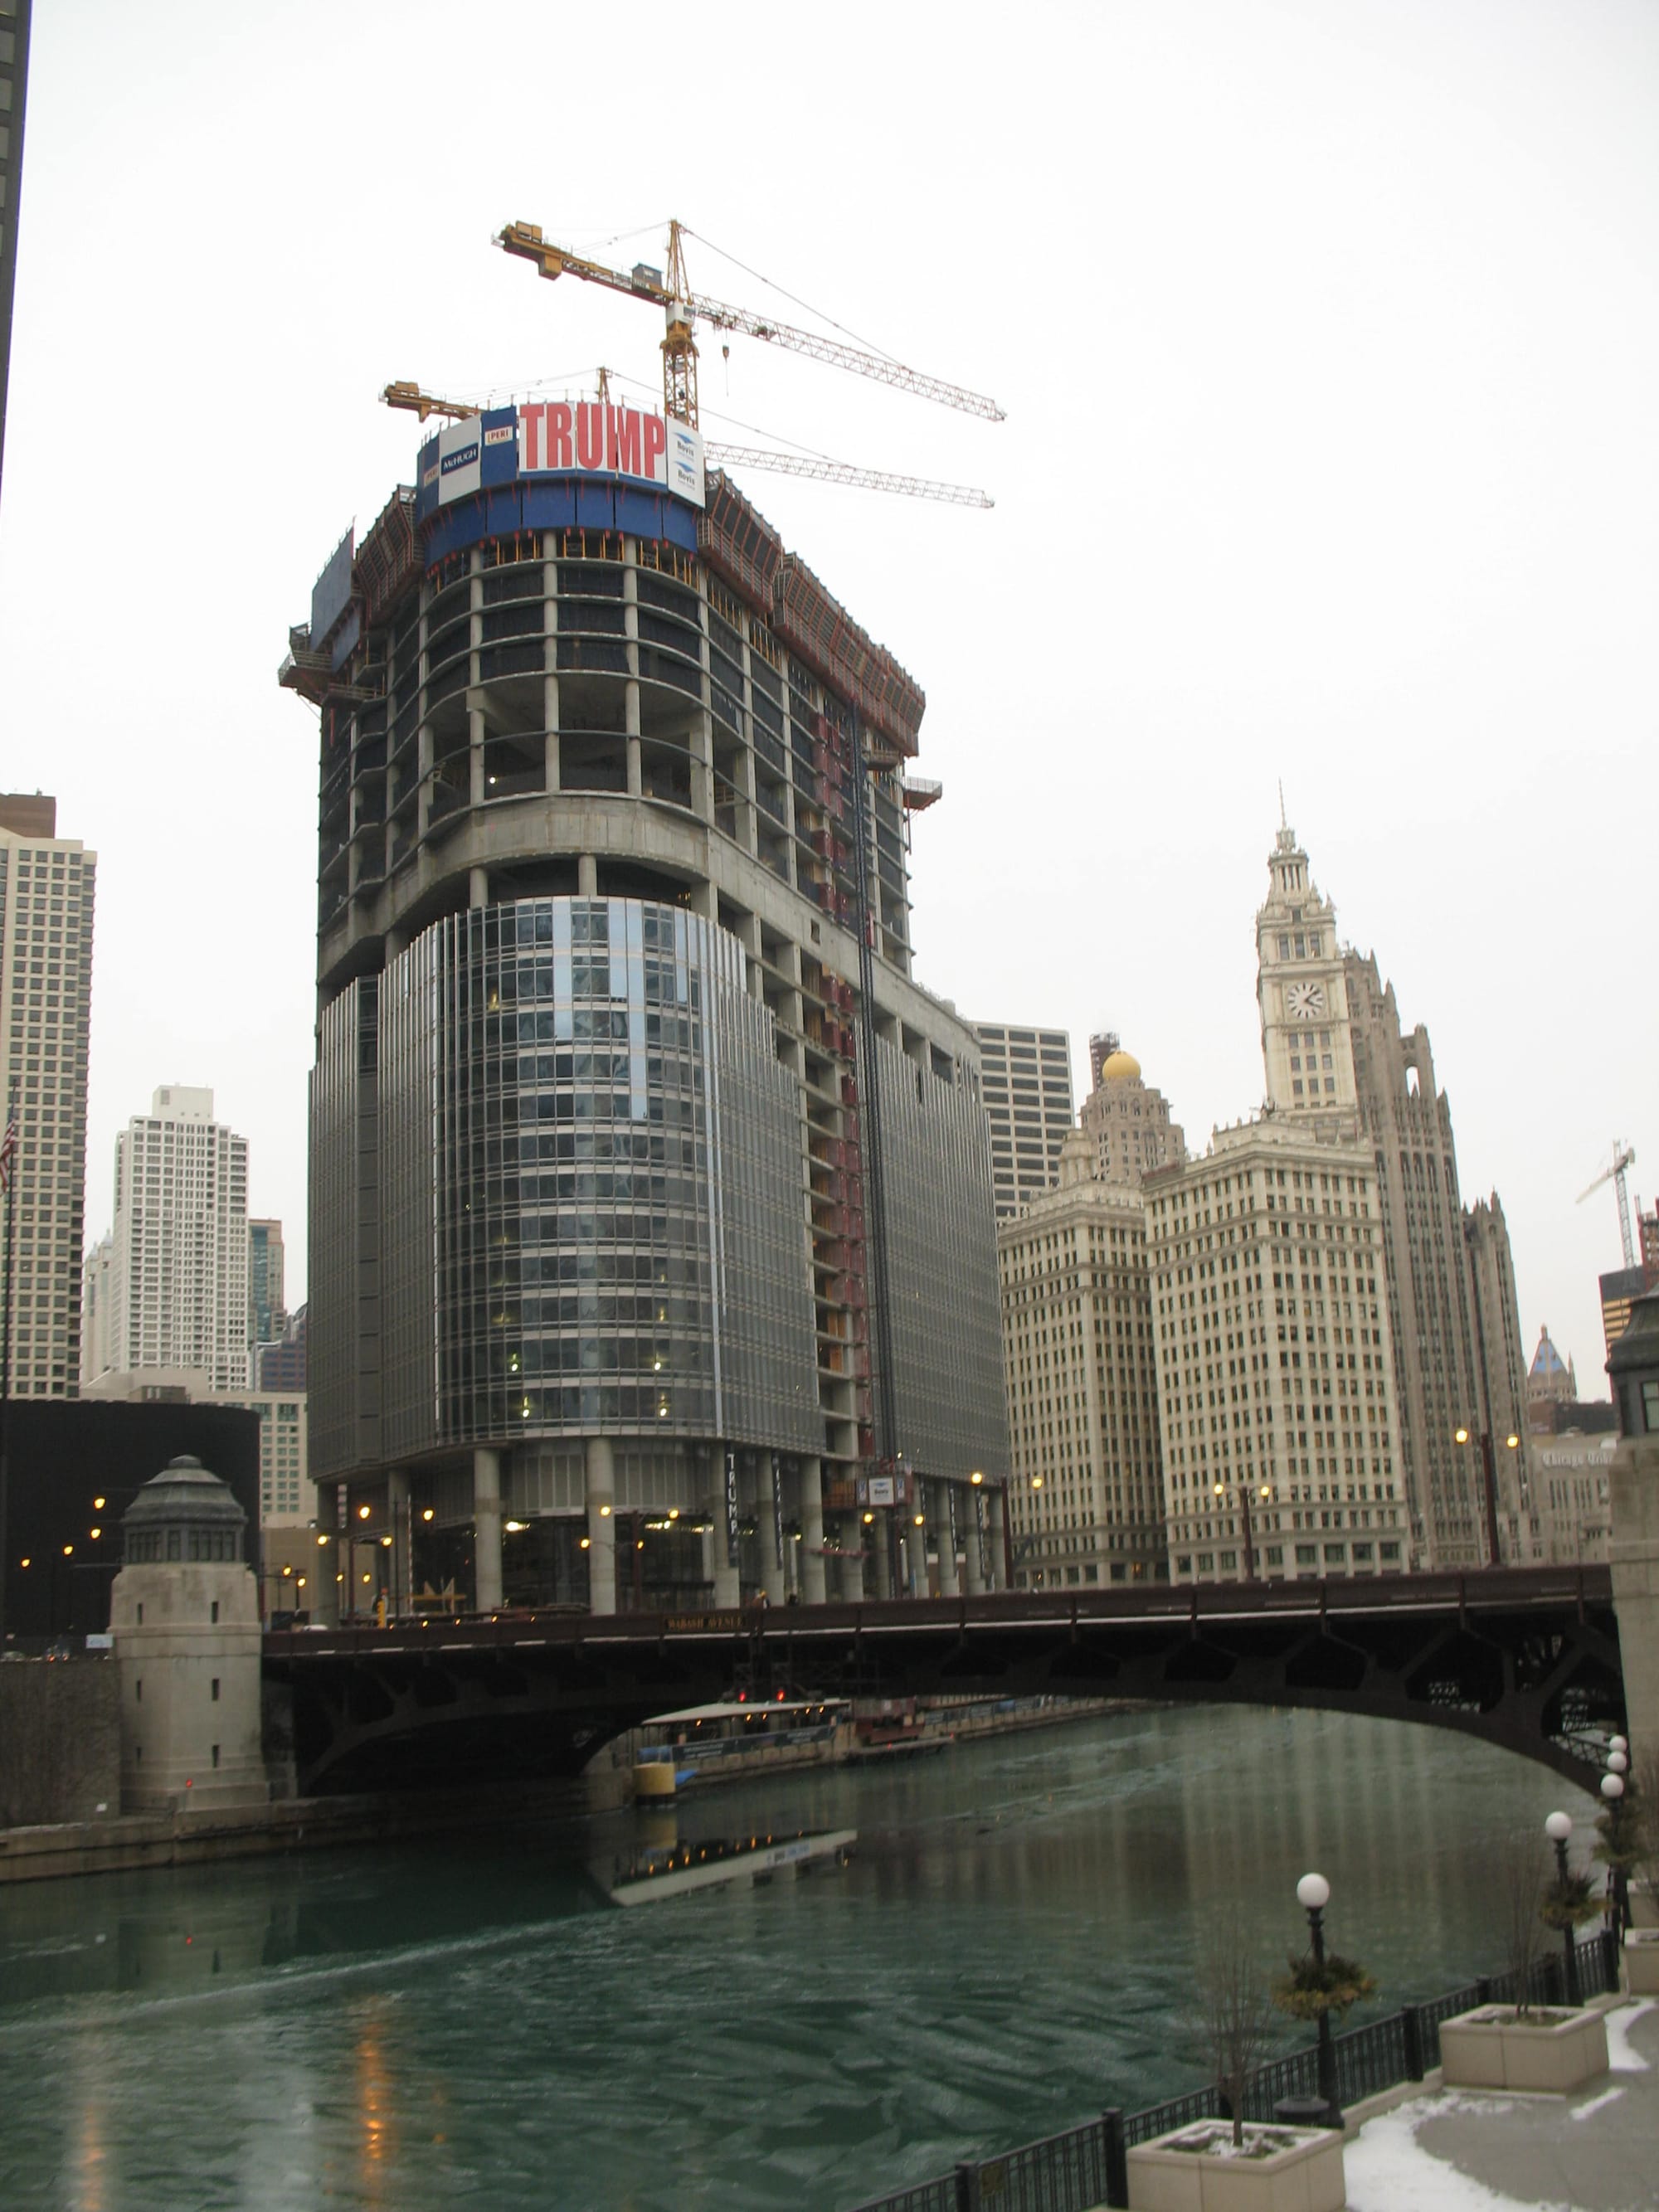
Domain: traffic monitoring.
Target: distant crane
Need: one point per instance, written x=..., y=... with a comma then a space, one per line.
x=681, y=305
x=1624, y=1156
x=410, y=395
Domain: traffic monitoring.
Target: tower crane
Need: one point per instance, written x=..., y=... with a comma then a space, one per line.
x=681, y=305
x=424, y=403
x=1624, y=1156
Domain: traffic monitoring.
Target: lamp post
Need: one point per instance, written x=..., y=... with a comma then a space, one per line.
x=1244, y=1508
x=1557, y=1828
x=1613, y=1788
x=1489, y=1475
x=1313, y=1894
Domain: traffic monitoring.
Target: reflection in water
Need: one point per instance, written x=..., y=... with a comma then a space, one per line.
x=375, y=2108
x=468, y=2021
x=660, y=1870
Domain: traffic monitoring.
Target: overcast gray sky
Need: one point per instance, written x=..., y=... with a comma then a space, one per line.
x=1328, y=337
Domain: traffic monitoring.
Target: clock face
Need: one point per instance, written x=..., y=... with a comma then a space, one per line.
x=1302, y=1000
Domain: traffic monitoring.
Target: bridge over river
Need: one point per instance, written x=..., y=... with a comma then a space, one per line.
x=1526, y=1657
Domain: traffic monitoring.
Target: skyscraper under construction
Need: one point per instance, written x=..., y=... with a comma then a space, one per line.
x=652, y=1256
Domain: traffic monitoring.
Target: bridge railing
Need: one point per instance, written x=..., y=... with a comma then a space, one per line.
x=1195, y=1603
x=1086, y=2166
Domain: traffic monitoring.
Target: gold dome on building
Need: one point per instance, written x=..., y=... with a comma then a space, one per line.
x=1120, y=1066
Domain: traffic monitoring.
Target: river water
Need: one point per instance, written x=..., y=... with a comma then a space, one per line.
x=474, y=2023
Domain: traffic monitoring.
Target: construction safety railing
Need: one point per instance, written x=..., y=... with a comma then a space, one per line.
x=1087, y=2165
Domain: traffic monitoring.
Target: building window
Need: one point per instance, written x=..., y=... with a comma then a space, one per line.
x=1307, y=1555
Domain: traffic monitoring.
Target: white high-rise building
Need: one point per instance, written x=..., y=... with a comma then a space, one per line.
x=176, y=1289
x=1275, y=1361
x=46, y=885
x=1026, y=1082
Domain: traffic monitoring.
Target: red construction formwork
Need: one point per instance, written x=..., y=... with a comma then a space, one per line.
x=389, y=559
x=738, y=543
x=813, y=623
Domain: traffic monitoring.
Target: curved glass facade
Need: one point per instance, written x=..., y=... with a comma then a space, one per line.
x=591, y=1215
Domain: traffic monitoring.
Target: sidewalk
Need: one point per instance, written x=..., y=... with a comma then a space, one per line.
x=1471, y=2150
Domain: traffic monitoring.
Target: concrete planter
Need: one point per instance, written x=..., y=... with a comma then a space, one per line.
x=1490, y=2049
x=1643, y=1908
x=1307, y=2176
x=1642, y=1961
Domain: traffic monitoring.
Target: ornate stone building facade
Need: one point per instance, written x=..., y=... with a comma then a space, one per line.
x=1086, y=1504
x=1336, y=1055
x=1275, y=1365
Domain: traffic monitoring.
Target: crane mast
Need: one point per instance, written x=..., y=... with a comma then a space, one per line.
x=1624, y=1156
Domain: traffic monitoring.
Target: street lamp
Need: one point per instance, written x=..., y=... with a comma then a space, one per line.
x=1313, y=1894
x=1489, y=1473
x=1557, y=1828
x=1613, y=1788
x=1244, y=1502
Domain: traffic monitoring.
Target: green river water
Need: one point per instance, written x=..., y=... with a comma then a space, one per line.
x=473, y=2023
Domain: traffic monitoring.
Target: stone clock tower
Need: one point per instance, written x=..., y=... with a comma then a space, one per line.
x=1307, y=1041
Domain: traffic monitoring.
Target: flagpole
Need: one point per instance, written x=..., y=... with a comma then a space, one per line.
x=9, y=1185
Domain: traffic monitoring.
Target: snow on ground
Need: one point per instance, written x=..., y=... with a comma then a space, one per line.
x=1596, y=2104
x=1621, y=2056
x=1389, y=2171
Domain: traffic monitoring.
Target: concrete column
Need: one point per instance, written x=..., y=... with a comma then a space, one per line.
x=631, y=718
x=423, y=772
x=995, y=1508
x=587, y=876
x=397, y=1511
x=475, y=723
x=728, y=1586
x=486, y=1529
x=322, y=1594
x=940, y=1509
x=1633, y=1554
x=971, y=1543
x=812, y=1532
x=395, y=941
x=851, y=1579
x=701, y=745
x=917, y=1582
x=601, y=1526
x=477, y=887
x=550, y=741
x=772, y=1570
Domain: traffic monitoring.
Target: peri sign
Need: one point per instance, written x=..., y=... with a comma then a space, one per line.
x=557, y=437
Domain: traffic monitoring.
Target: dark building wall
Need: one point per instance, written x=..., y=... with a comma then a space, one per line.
x=60, y=1740
x=14, y=88
x=61, y=1457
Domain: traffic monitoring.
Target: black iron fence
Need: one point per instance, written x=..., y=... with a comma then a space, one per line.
x=1088, y=2166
